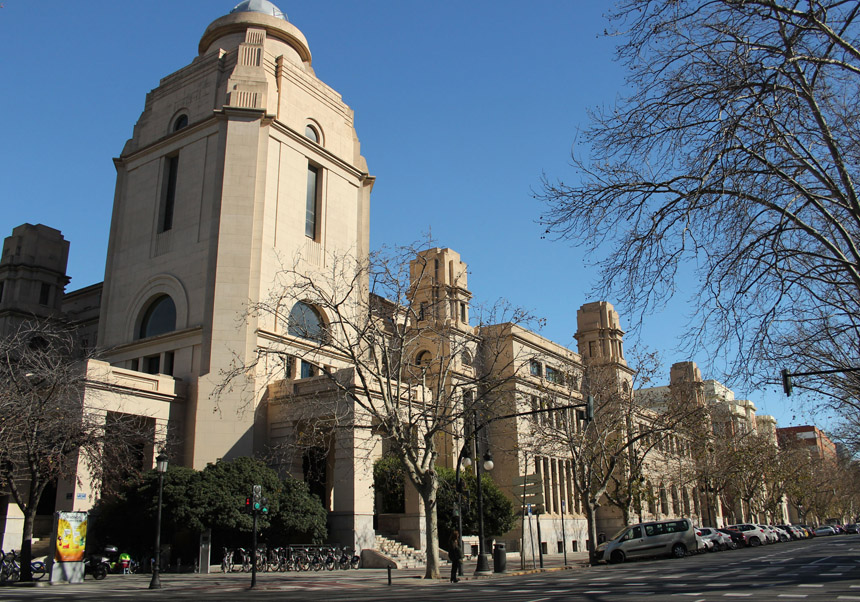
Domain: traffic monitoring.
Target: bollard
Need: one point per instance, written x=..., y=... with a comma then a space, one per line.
x=389, y=574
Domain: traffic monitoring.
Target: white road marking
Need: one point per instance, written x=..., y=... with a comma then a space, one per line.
x=811, y=585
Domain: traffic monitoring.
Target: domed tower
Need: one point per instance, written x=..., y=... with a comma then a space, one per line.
x=241, y=162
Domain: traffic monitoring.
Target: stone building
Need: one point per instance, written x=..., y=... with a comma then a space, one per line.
x=241, y=163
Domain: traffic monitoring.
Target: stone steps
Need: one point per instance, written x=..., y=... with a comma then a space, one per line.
x=405, y=556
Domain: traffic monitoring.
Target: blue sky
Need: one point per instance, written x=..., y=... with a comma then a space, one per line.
x=460, y=107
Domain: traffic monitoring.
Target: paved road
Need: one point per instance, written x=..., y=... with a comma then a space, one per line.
x=816, y=570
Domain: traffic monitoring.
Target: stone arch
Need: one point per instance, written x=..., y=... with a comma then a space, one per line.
x=163, y=284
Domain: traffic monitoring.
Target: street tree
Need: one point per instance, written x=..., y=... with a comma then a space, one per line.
x=499, y=516
x=615, y=443
x=399, y=345
x=213, y=498
x=46, y=430
x=727, y=170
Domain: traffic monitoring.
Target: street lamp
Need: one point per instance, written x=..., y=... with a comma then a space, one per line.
x=161, y=468
x=465, y=461
x=483, y=565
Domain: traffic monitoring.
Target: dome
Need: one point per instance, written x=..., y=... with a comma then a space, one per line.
x=260, y=6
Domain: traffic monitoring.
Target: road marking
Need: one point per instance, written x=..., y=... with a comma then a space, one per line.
x=811, y=585
x=848, y=597
x=855, y=586
x=732, y=595
x=830, y=574
x=595, y=591
x=821, y=559
x=718, y=584
x=792, y=596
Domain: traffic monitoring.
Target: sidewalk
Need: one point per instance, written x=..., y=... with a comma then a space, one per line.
x=351, y=579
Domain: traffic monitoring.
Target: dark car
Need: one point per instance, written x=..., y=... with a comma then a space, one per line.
x=852, y=528
x=739, y=540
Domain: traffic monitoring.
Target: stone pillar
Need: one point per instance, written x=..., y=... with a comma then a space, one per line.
x=351, y=516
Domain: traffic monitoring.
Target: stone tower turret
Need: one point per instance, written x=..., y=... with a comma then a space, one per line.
x=32, y=274
x=598, y=333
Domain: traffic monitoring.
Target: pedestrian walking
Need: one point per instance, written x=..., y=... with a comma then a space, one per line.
x=455, y=555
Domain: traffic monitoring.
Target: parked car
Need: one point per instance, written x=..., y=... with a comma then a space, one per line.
x=793, y=532
x=673, y=537
x=852, y=528
x=739, y=539
x=770, y=535
x=755, y=534
x=809, y=530
x=720, y=541
x=784, y=534
x=825, y=530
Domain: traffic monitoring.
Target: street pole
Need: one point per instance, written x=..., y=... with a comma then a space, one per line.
x=563, y=535
x=462, y=460
x=254, y=554
x=161, y=467
x=483, y=565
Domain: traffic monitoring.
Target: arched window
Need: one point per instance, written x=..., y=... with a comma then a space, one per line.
x=181, y=122
x=159, y=317
x=306, y=322
x=312, y=133
x=423, y=358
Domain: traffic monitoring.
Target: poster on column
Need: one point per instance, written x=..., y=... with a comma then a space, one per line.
x=70, y=542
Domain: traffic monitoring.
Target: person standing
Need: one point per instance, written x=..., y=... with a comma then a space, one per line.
x=455, y=555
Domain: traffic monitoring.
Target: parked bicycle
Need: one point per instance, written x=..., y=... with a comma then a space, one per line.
x=10, y=569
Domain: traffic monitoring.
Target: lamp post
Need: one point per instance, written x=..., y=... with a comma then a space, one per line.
x=483, y=565
x=466, y=461
x=161, y=468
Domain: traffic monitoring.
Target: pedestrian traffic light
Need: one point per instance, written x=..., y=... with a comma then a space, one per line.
x=265, y=505
x=786, y=381
x=247, y=504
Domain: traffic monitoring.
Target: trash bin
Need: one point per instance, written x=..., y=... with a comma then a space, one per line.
x=500, y=558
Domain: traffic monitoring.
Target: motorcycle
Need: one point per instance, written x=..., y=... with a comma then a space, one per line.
x=96, y=565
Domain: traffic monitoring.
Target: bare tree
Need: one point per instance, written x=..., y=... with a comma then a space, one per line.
x=611, y=447
x=390, y=336
x=735, y=154
x=45, y=429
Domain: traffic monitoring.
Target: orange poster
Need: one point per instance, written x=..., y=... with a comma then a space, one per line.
x=71, y=537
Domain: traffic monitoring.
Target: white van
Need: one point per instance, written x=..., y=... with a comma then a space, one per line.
x=674, y=537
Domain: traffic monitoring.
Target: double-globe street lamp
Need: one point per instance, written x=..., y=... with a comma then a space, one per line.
x=483, y=565
x=161, y=468
x=465, y=460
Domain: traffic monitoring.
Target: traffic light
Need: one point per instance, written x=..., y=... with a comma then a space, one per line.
x=257, y=497
x=247, y=504
x=265, y=505
x=589, y=408
x=786, y=381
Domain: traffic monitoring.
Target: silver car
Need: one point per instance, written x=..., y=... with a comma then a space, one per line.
x=675, y=537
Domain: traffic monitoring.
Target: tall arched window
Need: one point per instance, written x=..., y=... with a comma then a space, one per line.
x=159, y=318
x=305, y=322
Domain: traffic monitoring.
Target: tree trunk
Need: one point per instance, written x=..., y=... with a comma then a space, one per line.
x=431, y=521
x=590, y=510
x=27, y=543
